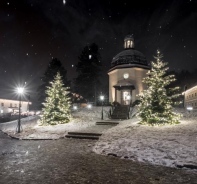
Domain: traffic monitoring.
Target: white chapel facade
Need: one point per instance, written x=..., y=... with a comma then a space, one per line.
x=128, y=68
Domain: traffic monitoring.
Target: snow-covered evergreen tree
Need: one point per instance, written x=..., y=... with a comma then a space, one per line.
x=156, y=106
x=54, y=66
x=57, y=104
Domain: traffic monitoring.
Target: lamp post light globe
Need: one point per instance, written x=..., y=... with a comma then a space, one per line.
x=20, y=91
x=102, y=99
x=89, y=106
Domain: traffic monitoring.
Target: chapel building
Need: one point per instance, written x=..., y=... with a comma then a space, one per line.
x=128, y=68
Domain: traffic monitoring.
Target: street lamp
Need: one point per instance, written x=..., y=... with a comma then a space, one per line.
x=75, y=107
x=102, y=99
x=20, y=91
x=89, y=106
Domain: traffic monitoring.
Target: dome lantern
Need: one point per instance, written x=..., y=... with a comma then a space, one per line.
x=129, y=42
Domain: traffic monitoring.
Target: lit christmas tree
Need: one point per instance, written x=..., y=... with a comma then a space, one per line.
x=57, y=104
x=156, y=106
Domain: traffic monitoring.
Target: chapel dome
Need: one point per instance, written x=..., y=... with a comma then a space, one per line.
x=129, y=57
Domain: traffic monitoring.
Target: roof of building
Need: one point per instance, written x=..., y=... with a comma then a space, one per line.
x=16, y=100
x=190, y=89
x=130, y=56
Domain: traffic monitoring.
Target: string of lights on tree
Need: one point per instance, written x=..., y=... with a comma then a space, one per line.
x=57, y=104
x=156, y=102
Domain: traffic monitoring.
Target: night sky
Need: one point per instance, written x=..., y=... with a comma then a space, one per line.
x=32, y=32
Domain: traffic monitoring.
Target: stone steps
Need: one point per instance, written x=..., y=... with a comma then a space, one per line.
x=119, y=116
x=120, y=112
x=107, y=123
x=93, y=132
x=83, y=135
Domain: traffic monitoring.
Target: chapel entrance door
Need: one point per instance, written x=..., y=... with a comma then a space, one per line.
x=126, y=97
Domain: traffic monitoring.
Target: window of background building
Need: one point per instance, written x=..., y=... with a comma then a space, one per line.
x=2, y=104
x=10, y=104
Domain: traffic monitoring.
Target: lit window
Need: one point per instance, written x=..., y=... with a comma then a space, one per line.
x=131, y=44
x=128, y=44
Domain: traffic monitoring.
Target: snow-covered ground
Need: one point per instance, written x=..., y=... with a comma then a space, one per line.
x=171, y=145
x=82, y=118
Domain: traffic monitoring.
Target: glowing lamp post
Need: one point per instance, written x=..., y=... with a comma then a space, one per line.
x=20, y=91
x=75, y=107
x=102, y=99
x=89, y=106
